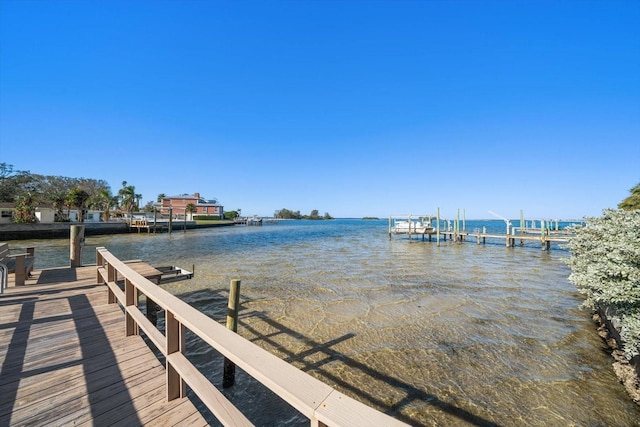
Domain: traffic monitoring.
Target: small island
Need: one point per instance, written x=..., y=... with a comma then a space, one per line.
x=288, y=214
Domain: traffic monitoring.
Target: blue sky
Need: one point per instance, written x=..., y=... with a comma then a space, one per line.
x=351, y=107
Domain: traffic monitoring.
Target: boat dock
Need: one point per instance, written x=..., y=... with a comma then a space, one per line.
x=72, y=354
x=143, y=224
x=429, y=226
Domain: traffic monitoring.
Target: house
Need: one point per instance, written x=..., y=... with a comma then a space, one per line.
x=44, y=214
x=89, y=215
x=6, y=212
x=176, y=205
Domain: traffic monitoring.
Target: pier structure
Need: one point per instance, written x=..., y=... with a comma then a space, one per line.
x=72, y=353
x=430, y=226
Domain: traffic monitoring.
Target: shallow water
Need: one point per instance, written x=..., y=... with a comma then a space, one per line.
x=461, y=334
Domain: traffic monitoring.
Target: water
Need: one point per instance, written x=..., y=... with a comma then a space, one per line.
x=457, y=335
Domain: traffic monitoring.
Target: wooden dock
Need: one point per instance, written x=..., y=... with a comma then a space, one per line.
x=422, y=225
x=72, y=354
x=67, y=361
x=143, y=224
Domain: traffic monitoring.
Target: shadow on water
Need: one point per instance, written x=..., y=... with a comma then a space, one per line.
x=265, y=408
x=329, y=355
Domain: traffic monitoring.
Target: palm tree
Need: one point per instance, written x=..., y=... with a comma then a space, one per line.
x=128, y=197
x=104, y=201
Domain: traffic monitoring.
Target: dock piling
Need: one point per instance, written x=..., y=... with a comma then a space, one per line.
x=75, y=245
x=229, y=374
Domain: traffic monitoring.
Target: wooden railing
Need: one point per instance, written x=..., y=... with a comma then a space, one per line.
x=323, y=405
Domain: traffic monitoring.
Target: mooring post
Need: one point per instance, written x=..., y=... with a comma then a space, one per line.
x=76, y=242
x=521, y=227
x=438, y=228
x=229, y=374
x=170, y=220
x=389, y=227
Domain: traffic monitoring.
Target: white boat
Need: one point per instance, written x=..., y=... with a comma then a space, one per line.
x=419, y=226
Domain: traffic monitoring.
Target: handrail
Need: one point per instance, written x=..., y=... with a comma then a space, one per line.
x=323, y=405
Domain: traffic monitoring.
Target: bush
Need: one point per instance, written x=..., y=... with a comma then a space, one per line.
x=605, y=265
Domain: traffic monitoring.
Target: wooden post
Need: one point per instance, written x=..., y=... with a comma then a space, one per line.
x=438, y=227
x=170, y=219
x=508, y=235
x=131, y=297
x=174, y=330
x=76, y=242
x=389, y=227
x=229, y=375
x=521, y=227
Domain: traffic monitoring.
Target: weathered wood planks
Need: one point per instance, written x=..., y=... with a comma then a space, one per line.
x=65, y=359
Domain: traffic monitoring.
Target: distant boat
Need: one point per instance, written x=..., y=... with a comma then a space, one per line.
x=419, y=226
x=254, y=221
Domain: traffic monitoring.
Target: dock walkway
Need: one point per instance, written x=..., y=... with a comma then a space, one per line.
x=66, y=360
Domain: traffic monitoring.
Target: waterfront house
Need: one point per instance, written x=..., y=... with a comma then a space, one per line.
x=177, y=205
x=44, y=214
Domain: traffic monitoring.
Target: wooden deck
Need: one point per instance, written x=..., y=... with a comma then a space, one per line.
x=66, y=360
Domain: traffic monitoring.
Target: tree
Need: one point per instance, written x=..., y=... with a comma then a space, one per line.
x=59, y=201
x=633, y=201
x=605, y=268
x=103, y=201
x=150, y=206
x=15, y=184
x=25, y=209
x=78, y=198
x=129, y=200
x=231, y=214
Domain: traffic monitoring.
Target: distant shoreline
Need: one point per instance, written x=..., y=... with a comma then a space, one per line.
x=61, y=230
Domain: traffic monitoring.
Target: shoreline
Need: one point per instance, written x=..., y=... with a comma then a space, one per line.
x=627, y=371
x=63, y=229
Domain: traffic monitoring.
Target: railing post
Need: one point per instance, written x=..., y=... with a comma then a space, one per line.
x=229, y=374
x=130, y=295
x=176, y=388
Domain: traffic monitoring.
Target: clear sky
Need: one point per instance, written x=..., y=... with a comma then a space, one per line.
x=351, y=107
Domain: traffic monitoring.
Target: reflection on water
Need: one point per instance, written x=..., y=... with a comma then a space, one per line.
x=461, y=334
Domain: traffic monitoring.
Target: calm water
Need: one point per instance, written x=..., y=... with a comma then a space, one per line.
x=457, y=335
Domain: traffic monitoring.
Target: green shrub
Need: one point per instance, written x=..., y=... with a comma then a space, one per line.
x=605, y=265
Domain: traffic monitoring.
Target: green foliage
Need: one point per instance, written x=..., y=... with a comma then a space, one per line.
x=287, y=214
x=231, y=214
x=25, y=209
x=206, y=218
x=78, y=197
x=605, y=264
x=44, y=190
x=129, y=199
x=633, y=201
